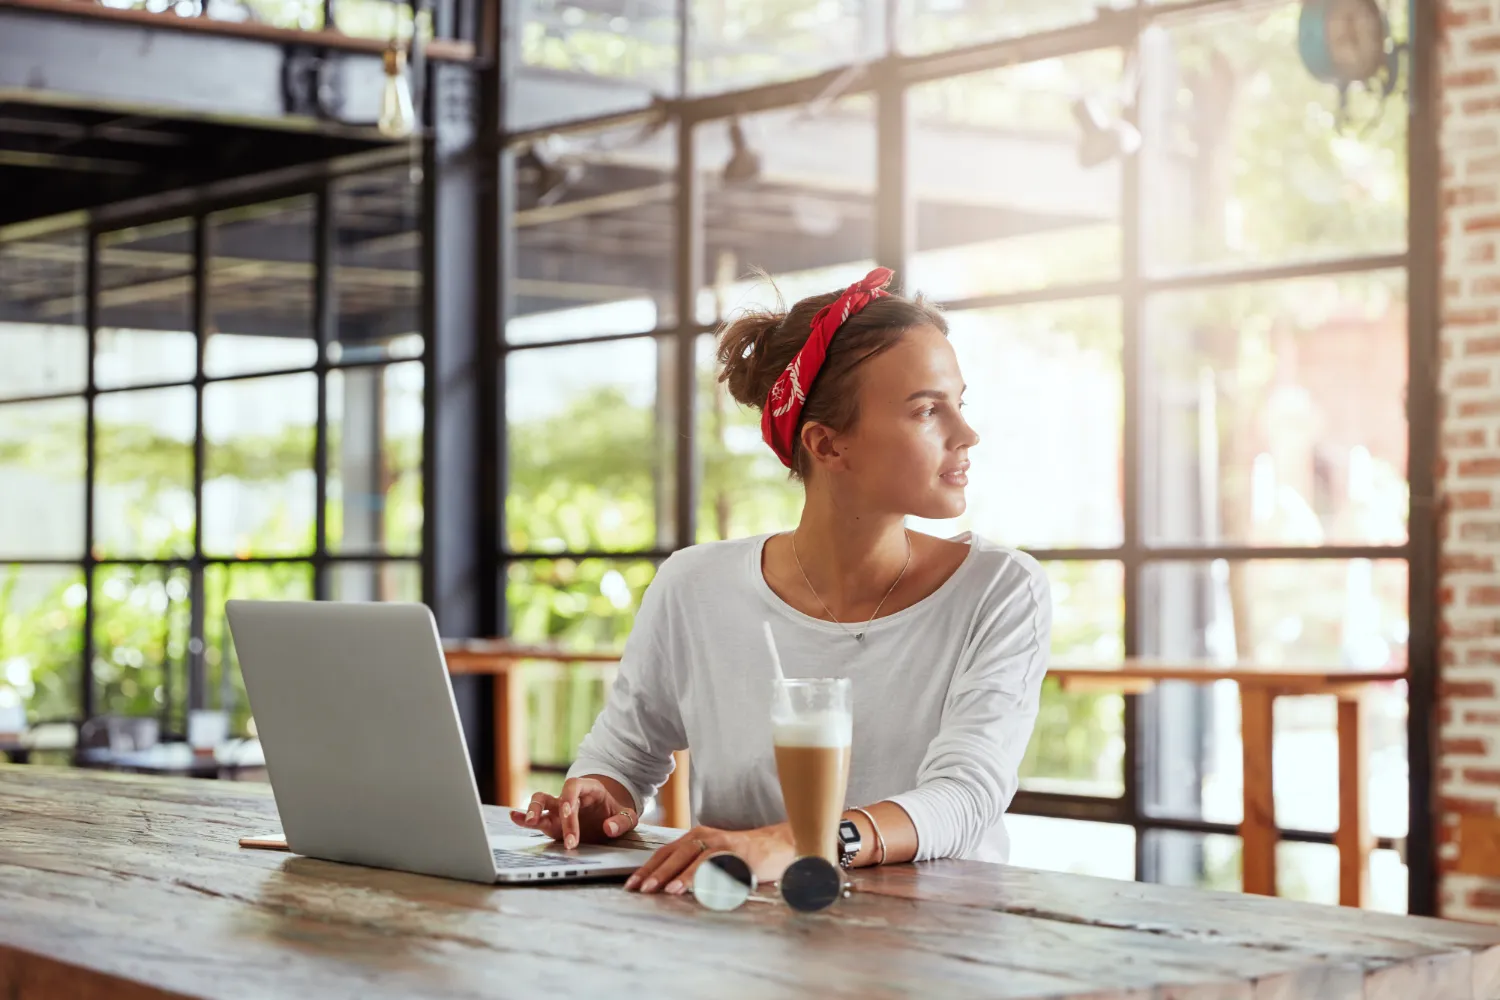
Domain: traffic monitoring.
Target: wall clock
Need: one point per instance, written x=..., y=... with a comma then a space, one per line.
x=1348, y=43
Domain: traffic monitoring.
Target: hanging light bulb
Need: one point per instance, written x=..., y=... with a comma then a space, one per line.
x=396, y=115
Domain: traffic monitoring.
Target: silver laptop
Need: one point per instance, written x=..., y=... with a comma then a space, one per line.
x=365, y=751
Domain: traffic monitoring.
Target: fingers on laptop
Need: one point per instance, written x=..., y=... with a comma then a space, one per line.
x=541, y=815
x=576, y=796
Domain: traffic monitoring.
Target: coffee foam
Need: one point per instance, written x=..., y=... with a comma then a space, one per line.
x=824, y=729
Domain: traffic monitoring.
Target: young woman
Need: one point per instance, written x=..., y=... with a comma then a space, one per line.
x=945, y=641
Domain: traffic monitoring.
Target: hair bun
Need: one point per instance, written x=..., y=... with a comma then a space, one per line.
x=746, y=362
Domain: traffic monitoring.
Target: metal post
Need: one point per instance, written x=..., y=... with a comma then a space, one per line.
x=1131, y=367
x=1424, y=322
x=90, y=463
x=497, y=268
x=197, y=683
x=325, y=325
x=689, y=279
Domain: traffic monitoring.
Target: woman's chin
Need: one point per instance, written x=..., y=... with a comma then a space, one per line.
x=942, y=507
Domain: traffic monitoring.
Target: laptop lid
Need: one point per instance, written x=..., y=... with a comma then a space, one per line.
x=362, y=738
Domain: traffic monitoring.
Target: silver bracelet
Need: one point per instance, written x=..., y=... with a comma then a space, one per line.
x=879, y=840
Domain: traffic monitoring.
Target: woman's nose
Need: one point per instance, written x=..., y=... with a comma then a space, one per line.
x=968, y=437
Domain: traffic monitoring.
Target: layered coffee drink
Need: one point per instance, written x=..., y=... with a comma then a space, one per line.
x=812, y=729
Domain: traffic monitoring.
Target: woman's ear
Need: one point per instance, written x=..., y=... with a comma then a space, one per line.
x=822, y=445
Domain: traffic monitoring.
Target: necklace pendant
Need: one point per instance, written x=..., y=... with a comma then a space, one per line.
x=859, y=636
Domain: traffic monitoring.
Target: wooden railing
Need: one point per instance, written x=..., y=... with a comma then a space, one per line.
x=1259, y=687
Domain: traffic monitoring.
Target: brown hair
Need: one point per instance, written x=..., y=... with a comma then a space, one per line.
x=755, y=348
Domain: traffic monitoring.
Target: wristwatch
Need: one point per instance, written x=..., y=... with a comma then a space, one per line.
x=849, y=843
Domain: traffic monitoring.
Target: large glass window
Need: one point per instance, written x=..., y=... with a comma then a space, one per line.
x=587, y=471
x=146, y=306
x=218, y=421
x=375, y=421
x=1009, y=194
x=1173, y=267
x=41, y=633
x=743, y=43
x=42, y=448
x=1255, y=432
x=593, y=231
x=377, y=280
x=42, y=314
x=261, y=288
x=143, y=473
x=1248, y=162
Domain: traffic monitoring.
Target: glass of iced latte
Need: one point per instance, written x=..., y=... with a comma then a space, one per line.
x=812, y=724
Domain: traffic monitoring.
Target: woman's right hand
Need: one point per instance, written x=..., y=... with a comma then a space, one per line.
x=589, y=810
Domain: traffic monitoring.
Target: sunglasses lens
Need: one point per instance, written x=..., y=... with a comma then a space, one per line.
x=811, y=884
x=723, y=882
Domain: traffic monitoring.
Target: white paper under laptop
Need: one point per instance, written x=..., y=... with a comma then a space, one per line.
x=365, y=752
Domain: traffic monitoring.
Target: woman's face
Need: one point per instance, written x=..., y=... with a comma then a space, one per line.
x=908, y=451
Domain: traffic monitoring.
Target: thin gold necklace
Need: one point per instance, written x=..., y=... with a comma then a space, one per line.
x=860, y=635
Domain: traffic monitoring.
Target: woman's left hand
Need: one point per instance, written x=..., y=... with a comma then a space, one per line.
x=767, y=850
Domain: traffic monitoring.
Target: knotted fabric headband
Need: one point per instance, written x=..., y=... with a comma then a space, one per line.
x=783, y=410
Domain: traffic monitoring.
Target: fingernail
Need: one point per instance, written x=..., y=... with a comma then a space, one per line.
x=674, y=887
x=632, y=882
x=611, y=828
x=650, y=884
x=572, y=842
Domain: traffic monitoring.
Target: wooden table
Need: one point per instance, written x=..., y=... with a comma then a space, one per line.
x=126, y=887
x=504, y=661
x=1259, y=688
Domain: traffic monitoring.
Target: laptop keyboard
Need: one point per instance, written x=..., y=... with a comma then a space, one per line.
x=517, y=859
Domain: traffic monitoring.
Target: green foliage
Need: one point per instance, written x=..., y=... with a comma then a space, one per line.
x=41, y=639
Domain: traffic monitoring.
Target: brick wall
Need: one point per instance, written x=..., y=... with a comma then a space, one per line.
x=1469, y=467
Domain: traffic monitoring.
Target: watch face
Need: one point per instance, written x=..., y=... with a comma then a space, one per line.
x=1355, y=33
x=848, y=832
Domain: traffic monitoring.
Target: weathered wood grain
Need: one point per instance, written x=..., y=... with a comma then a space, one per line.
x=114, y=885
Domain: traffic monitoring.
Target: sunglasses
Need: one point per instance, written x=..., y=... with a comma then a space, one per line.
x=725, y=882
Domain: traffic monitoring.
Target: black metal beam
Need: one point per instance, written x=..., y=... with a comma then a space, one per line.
x=452, y=184
x=1424, y=223
x=197, y=679
x=688, y=280
x=495, y=268
x=458, y=575
x=325, y=325
x=90, y=462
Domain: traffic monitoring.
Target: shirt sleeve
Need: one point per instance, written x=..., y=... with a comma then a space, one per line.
x=633, y=738
x=970, y=771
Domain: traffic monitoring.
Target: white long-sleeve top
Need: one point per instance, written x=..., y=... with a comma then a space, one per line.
x=945, y=693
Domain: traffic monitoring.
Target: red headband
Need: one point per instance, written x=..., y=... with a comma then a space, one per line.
x=783, y=410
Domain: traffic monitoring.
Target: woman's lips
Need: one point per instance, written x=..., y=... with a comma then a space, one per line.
x=956, y=477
